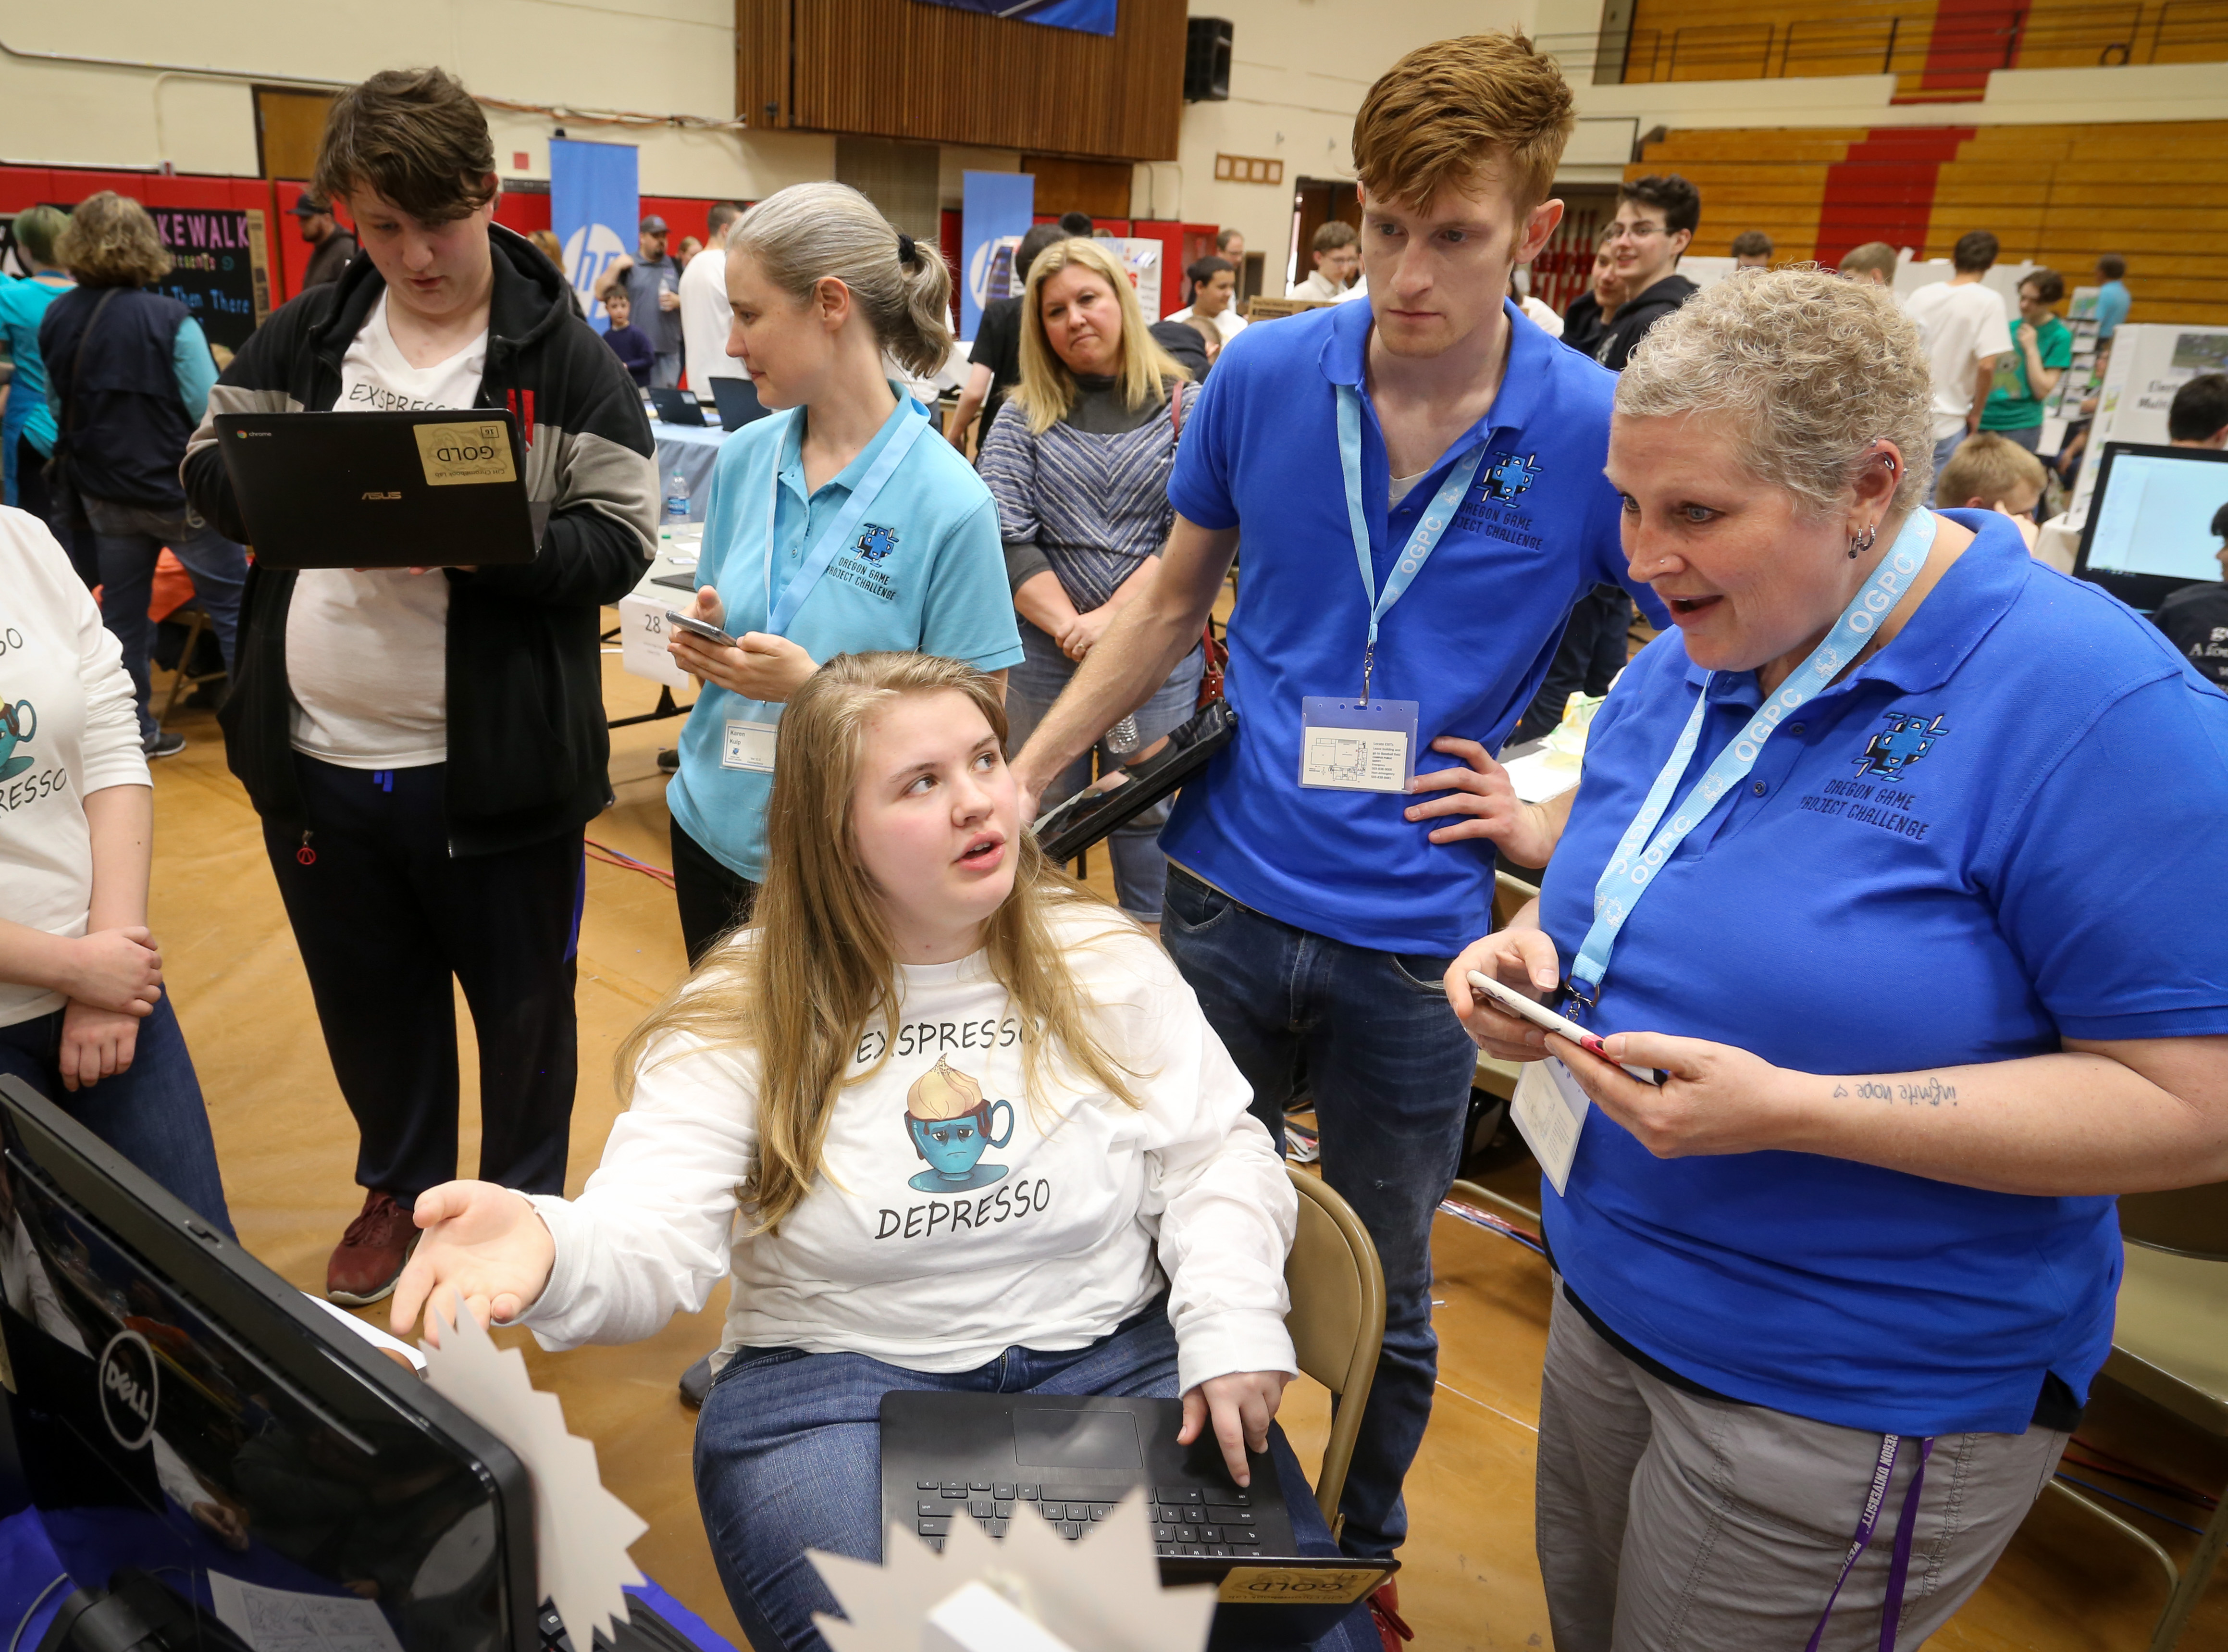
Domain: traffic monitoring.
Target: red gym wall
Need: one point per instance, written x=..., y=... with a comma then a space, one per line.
x=63, y=186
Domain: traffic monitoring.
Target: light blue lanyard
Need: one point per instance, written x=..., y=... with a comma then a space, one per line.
x=782, y=610
x=1421, y=540
x=1633, y=868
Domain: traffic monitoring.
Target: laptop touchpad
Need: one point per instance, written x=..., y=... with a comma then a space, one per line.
x=1076, y=1439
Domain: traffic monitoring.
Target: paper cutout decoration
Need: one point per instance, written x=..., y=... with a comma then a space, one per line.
x=582, y=1533
x=1100, y=1594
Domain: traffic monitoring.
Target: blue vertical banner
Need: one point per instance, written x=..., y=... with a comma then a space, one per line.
x=995, y=212
x=595, y=206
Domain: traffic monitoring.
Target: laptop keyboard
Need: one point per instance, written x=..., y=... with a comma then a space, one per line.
x=1212, y=1520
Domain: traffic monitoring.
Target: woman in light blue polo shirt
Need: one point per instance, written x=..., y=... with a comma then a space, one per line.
x=831, y=527
x=1897, y=858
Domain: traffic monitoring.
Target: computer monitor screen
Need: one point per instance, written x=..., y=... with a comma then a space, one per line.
x=199, y=1439
x=2149, y=531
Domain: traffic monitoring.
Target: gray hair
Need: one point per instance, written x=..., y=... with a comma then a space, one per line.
x=1809, y=371
x=809, y=232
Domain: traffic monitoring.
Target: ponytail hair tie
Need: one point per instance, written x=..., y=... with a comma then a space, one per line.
x=906, y=253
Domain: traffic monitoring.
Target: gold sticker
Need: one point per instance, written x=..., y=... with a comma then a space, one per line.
x=455, y=454
x=1291, y=1585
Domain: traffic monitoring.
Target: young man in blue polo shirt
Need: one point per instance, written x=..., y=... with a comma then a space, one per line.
x=1311, y=906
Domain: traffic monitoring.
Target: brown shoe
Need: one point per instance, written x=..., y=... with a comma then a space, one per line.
x=368, y=1259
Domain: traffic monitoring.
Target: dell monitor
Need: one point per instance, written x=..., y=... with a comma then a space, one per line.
x=216, y=1461
x=2149, y=531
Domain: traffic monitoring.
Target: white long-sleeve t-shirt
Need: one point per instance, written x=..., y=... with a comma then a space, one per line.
x=68, y=729
x=955, y=1214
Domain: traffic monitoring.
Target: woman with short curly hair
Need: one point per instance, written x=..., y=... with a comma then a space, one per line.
x=1883, y=1004
x=131, y=370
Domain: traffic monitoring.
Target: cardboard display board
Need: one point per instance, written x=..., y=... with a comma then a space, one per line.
x=222, y=272
x=1142, y=259
x=1261, y=307
x=2149, y=363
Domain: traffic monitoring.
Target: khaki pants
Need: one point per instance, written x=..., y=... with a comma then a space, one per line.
x=1668, y=1522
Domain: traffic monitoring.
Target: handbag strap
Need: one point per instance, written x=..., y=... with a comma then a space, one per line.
x=69, y=396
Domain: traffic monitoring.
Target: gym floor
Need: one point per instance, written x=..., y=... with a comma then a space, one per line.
x=1470, y=1580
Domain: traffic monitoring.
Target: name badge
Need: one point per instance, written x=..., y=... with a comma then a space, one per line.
x=1348, y=746
x=749, y=745
x=1549, y=1111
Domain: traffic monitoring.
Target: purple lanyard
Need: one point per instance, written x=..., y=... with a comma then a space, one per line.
x=1899, y=1565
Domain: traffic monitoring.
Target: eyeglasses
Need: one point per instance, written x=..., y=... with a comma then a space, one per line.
x=1639, y=232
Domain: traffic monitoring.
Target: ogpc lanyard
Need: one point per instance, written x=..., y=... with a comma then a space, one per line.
x=1899, y=1569
x=1421, y=540
x=1633, y=868
x=781, y=610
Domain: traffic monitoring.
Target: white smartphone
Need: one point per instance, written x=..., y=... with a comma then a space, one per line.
x=1540, y=1015
x=695, y=627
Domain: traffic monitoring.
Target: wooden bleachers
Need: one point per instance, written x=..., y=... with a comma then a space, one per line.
x=2156, y=192
x=1934, y=56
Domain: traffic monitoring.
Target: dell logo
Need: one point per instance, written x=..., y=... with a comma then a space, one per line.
x=129, y=1388
x=383, y=496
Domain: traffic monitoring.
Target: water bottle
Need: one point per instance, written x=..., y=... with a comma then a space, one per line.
x=677, y=497
x=1122, y=739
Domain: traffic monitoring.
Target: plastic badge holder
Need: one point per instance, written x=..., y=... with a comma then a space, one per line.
x=1354, y=746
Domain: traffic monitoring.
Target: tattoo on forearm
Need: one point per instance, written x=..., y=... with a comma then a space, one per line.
x=1930, y=1092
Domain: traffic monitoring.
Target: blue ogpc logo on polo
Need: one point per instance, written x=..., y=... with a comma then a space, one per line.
x=876, y=542
x=1908, y=737
x=1508, y=476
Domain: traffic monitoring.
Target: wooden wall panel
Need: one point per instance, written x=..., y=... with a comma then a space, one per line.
x=1101, y=189
x=928, y=73
x=2156, y=192
x=762, y=37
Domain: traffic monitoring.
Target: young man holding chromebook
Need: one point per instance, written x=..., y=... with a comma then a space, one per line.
x=1421, y=447
x=426, y=745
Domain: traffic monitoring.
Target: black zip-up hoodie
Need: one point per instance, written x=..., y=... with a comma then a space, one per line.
x=529, y=746
x=1614, y=345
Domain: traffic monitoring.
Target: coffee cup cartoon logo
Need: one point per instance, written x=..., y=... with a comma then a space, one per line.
x=950, y=1124
x=18, y=723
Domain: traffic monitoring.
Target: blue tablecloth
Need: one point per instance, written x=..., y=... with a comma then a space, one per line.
x=691, y=450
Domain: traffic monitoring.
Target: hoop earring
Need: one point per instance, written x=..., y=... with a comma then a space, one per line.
x=1859, y=543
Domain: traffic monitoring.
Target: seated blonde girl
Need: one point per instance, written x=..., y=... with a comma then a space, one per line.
x=981, y=1135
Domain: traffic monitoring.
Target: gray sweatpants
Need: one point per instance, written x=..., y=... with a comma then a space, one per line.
x=1668, y=1522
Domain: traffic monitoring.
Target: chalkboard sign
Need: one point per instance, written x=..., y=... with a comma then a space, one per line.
x=223, y=272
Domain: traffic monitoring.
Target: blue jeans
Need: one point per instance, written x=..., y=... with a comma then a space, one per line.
x=1140, y=870
x=1369, y=1037
x=152, y=1113
x=126, y=540
x=1943, y=450
x=789, y=1458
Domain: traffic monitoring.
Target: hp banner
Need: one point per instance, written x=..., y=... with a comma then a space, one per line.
x=594, y=207
x=995, y=212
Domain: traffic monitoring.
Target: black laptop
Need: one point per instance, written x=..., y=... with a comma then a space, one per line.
x=428, y=488
x=948, y=1457
x=2149, y=530
x=739, y=402
x=677, y=407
